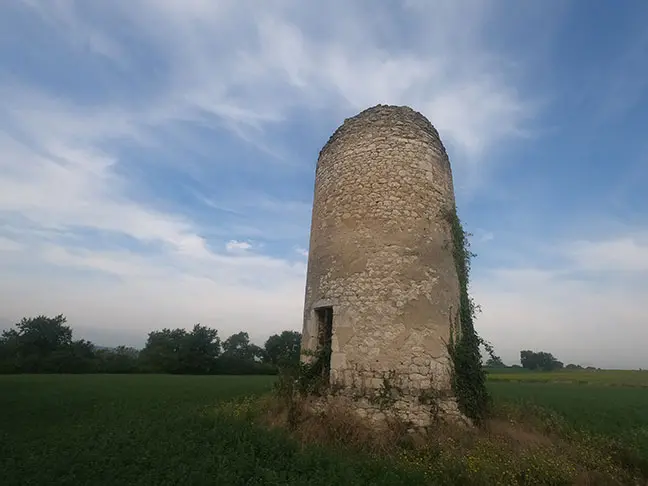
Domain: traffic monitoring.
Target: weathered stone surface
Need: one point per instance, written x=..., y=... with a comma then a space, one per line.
x=380, y=256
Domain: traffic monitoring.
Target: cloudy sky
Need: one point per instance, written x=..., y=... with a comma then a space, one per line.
x=157, y=158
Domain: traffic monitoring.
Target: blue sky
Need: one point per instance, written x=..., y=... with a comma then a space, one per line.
x=157, y=158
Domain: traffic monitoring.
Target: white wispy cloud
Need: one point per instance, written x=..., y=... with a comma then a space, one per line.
x=620, y=254
x=9, y=245
x=250, y=69
x=589, y=308
x=62, y=14
x=245, y=69
x=237, y=246
x=485, y=236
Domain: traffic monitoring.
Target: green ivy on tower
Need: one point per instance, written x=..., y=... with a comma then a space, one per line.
x=469, y=378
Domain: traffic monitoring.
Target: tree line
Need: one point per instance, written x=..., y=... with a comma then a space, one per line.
x=535, y=361
x=45, y=345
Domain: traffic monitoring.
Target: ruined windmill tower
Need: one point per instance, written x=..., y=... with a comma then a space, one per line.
x=382, y=286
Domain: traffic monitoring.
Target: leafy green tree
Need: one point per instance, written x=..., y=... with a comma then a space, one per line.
x=240, y=357
x=200, y=349
x=572, y=366
x=238, y=346
x=8, y=353
x=179, y=351
x=40, y=335
x=162, y=352
x=283, y=349
x=77, y=357
x=539, y=361
x=121, y=359
x=495, y=362
x=44, y=344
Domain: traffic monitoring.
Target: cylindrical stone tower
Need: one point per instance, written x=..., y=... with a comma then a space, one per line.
x=382, y=286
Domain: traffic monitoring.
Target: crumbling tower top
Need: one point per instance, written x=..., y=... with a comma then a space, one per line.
x=388, y=115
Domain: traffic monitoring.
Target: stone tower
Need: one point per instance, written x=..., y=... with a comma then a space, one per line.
x=382, y=286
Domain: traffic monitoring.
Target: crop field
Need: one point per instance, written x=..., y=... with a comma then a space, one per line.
x=625, y=378
x=607, y=403
x=162, y=430
x=158, y=430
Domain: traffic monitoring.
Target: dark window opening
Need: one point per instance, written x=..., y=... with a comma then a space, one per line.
x=324, y=337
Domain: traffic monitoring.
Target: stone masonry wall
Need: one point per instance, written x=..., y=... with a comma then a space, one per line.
x=380, y=255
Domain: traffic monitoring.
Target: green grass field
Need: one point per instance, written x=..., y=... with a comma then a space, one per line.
x=158, y=430
x=162, y=430
x=607, y=403
x=625, y=378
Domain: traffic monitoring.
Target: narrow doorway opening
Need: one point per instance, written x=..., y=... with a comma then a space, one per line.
x=324, y=338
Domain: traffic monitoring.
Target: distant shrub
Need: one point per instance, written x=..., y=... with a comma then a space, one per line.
x=226, y=365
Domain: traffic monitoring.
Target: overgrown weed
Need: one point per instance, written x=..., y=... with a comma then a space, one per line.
x=516, y=446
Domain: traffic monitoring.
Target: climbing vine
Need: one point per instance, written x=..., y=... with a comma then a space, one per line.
x=469, y=378
x=301, y=379
x=308, y=377
x=388, y=393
